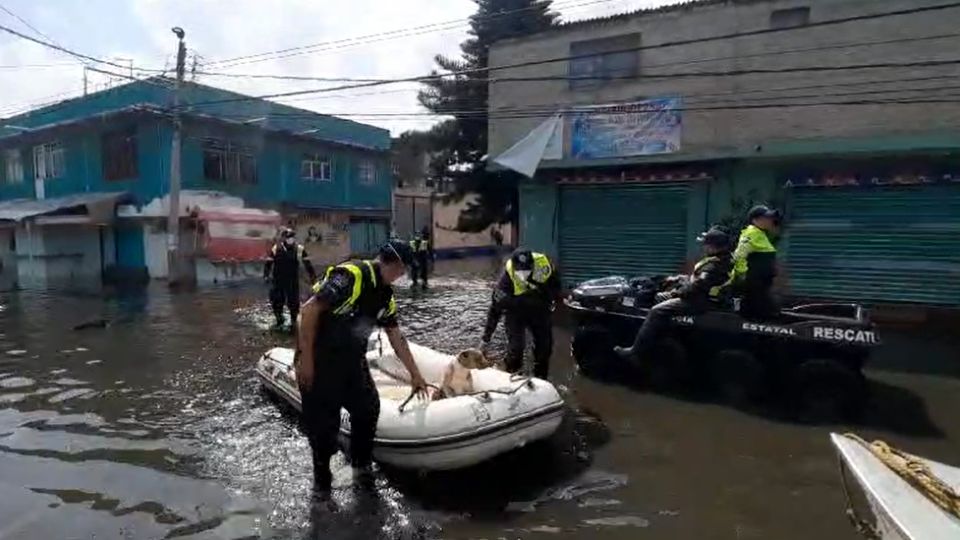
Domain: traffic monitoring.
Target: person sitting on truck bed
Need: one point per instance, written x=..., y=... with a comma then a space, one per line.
x=754, y=264
x=705, y=284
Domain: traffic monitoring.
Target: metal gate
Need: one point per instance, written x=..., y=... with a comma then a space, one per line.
x=876, y=244
x=627, y=230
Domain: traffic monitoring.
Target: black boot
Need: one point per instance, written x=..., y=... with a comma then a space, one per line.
x=626, y=353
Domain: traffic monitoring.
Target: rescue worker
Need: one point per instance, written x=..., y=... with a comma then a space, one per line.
x=282, y=271
x=705, y=284
x=525, y=295
x=331, y=365
x=754, y=263
x=423, y=254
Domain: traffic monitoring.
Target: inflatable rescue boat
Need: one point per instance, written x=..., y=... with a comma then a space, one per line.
x=503, y=413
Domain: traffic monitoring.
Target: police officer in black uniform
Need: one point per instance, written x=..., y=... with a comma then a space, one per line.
x=282, y=270
x=525, y=294
x=422, y=255
x=331, y=365
x=707, y=283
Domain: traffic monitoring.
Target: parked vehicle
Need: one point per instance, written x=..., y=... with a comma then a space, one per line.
x=811, y=353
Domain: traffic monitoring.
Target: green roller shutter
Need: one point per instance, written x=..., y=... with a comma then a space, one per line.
x=878, y=244
x=627, y=230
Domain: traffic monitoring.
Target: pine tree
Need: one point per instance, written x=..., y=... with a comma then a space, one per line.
x=462, y=142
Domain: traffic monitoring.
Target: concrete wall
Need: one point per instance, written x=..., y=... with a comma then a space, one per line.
x=447, y=238
x=155, y=250
x=720, y=132
x=325, y=235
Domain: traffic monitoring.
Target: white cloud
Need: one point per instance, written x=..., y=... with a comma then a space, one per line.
x=218, y=30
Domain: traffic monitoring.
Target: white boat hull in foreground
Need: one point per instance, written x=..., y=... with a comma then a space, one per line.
x=900, y=511
x=505, y=414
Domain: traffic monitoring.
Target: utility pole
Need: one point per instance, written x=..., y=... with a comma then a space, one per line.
x=84, y=80
x=173, y=218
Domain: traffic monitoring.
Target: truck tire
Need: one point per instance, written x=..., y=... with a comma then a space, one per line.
x=592, y=349
x=738, y=377
x=827, y=390
x=668, y=366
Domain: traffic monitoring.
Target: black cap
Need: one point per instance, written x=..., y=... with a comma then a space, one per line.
x=287, y=232
x=763, y=211
x=522, y=259
x=397, y=250
x=714, y=236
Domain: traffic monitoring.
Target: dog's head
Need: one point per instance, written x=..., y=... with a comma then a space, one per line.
x=473, y=359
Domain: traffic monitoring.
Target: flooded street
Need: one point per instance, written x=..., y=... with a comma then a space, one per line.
x=153, y=426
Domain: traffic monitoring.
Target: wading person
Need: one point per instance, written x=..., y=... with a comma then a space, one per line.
x=754, y=264
x=422, y=255
x=524, y=296
x=331, y=364
x=282, y=271
x=705, y=284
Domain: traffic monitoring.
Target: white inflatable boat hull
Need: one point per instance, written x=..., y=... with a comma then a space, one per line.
x=900, y=511
x=447, y=434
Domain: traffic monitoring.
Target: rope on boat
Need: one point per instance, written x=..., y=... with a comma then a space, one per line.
x=915, y=472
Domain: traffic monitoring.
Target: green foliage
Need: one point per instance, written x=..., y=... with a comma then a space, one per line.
x=461, y=143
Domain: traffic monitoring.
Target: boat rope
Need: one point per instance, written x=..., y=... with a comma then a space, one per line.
x=915, y=472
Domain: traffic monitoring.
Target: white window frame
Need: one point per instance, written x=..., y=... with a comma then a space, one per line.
x=49, y=161
x=367, y=173
x=13, y=166
x=318, y=168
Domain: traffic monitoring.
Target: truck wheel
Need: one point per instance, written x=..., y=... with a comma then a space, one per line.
x=738, y=377
x=592, y=348
x=668, y=366
x=827, y=390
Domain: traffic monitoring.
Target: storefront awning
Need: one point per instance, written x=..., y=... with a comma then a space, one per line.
x=99, y=207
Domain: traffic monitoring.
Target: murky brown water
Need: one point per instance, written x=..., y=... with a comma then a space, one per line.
x=155, y=427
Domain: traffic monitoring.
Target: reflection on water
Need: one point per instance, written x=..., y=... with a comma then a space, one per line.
x=146, y=422
x=141, y=415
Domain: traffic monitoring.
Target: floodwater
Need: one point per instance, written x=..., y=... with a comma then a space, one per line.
x=155, y=427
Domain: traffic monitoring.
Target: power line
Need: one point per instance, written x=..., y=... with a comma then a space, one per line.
x=26, y=23
x=56, y=47
x=377, y=37
x=835, y=46
x=437, y=76
x=581, y=108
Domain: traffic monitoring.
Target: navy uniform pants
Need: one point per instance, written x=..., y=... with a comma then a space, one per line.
x=341, y=380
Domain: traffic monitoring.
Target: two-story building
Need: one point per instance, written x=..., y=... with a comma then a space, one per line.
x=842, y=112
x=85, y=183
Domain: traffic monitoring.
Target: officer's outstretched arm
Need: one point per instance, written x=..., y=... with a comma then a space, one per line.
x=400, y=346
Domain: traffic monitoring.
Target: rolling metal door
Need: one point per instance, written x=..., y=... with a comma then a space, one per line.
x=626, y=230
x=880, y=244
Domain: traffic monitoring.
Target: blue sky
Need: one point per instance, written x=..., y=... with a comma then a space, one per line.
x=139, y=30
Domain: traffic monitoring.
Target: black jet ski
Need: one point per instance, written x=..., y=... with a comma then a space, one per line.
x=812, y=353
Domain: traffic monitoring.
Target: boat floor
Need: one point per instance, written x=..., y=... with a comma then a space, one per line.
x=909, y=511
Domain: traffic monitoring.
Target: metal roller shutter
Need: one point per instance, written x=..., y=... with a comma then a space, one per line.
x=880, y=244
x=627, y=230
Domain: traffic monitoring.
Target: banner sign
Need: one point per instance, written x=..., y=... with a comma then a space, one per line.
x=640, y=128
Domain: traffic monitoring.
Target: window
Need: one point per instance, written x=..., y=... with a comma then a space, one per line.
x=12, y=167
x=367, y=174
x=228, y=162
x=316, y=168
x=790, y=18
x=49, y=161
x=599, y=61
x=119, y=155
